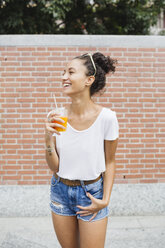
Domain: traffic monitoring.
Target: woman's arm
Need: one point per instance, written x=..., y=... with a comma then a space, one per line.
x=109, y=174
x=52, y=158
x=110, y=147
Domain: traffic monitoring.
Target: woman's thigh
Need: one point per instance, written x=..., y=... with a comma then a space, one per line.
x=92, y=234
x=66, y=228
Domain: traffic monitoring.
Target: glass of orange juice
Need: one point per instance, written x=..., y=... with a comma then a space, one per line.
x=62, y=113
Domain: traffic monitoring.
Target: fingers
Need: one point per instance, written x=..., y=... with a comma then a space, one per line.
x=86, y=213
x=90, y=196
x=53, y=118
x=52, y=114
x=83, y=212
x=53, y=122
x=94, y=215
x=55, y=125
x=87, y=208
x=49, y=127
x=51, y=131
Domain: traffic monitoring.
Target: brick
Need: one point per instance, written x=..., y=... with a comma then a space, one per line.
x=27, y=167
x=148, y=54
x=134, y=176
x=161, y=180
x=27, y=178
x=27, y=152
x=24, y=172
x=56, y=48
x=147, y=59
x=117, y=49
x=86, y=49
x=25, y=58
x=41, y=48
x=41, y=63
x=14, y=54
x=159, y=175
x=161, y=54
x=15, y=177
x=26, y=182
x=43, y=54
x=148, y=181
x=10, y=172
x=12, y=74
x=146, y=49
x=26, y=49
x=133, y=54
x=25, y=69
x=153, y=171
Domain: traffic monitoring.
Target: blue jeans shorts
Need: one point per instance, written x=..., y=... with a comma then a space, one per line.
x=64, y=199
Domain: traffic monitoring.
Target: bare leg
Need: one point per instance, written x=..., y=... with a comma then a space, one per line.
x=66, y=228
x=92, y=234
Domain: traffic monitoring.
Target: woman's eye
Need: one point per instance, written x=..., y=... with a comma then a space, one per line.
x=70, y=72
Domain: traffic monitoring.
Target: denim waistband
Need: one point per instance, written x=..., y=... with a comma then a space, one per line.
x=74, y=183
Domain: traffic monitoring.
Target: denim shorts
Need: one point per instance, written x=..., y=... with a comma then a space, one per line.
x=64, y=199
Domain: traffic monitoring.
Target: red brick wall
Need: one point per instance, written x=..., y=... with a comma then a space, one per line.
x=29, y=75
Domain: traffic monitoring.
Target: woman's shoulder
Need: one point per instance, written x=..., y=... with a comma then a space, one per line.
x=108, y=112
x=108, y=116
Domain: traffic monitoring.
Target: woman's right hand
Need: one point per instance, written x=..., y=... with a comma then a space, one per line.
x=49, y=126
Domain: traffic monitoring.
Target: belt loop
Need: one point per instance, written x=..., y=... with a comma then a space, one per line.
x=58, y=179
x=83, y=185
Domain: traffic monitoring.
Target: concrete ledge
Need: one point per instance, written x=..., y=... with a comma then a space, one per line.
x=130, y=199
x=135, y=41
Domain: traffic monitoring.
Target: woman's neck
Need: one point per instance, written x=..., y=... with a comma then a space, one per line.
x=81, y=106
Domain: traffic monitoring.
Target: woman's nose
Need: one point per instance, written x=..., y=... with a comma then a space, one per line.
x=65, y=76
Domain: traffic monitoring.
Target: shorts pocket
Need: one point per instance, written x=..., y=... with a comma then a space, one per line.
x=54, y=181
x=96, y=193
x=95, y=189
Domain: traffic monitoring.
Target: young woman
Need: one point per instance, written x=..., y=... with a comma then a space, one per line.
x=83, y=157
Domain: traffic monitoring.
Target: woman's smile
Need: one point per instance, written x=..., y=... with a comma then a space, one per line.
x=66, y=84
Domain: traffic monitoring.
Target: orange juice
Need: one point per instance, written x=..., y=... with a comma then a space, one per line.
x=59, y=129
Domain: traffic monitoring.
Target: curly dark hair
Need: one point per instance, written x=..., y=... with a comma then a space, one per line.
x=103, y=64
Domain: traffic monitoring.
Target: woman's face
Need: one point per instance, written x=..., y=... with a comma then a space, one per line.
x=74, y=77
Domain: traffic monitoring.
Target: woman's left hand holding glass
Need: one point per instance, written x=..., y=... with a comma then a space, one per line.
x=94, y=208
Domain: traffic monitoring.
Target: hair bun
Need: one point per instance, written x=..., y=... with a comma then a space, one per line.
x=106, y=63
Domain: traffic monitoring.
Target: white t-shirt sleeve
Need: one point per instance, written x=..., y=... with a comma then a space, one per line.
x=111, y=127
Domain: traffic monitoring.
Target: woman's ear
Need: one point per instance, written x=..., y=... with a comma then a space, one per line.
x=90, y=80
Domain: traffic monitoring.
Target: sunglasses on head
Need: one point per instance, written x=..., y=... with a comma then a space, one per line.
x=93, y=63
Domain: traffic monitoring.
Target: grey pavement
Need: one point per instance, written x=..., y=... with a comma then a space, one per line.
x=122, y=232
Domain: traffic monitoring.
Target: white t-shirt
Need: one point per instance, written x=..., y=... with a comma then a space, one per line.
x=81, y=153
